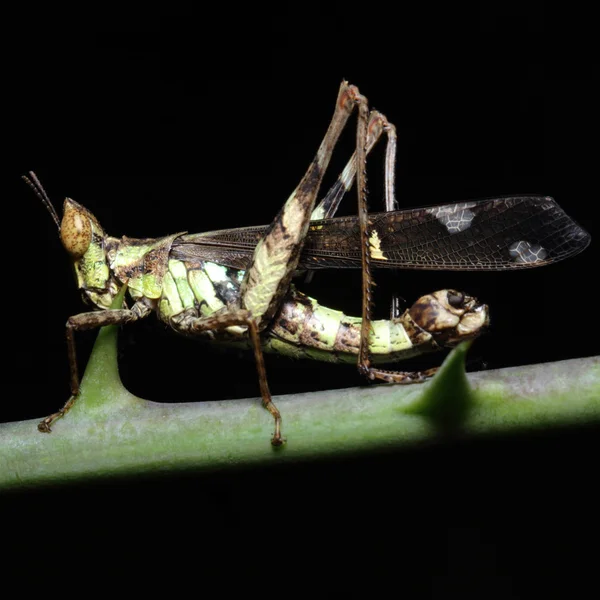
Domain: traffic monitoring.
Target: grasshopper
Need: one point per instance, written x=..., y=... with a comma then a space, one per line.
x=234, y=286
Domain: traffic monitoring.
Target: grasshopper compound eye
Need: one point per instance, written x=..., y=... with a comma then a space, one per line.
x=75, y=229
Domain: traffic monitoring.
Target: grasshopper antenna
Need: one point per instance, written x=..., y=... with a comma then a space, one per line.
x=34, y=183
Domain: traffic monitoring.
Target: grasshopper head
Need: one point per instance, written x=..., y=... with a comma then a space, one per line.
x=79, y=230
x=85, y=241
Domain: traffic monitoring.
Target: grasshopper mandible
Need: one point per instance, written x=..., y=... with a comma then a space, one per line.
x=234, y=286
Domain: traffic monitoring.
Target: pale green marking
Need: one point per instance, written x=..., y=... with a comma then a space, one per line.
x=171, y=294
x=204, y=292
x=165, y=309
x=151, y=286
x=327, y=322
x=129, y=255
x=126, y=256
x=101, y=273
x=136, y=285
x=399, y=339
x=102, y=300
x=92, y=270
x=379, y=338
x=179, y=273
x=216, y=272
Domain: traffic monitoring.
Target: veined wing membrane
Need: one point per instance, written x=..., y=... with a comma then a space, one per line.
x=493, y=235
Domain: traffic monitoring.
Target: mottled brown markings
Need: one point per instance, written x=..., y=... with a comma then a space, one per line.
x=279, y=240
x=309, y=327
x=301, y=298
x=299, y=208
x=132, y=271
x=347, y=338
x=192, y=266
x=425, y=314
x=156, y=260
x=75, y=231
x=290, y=326
x=127, y=241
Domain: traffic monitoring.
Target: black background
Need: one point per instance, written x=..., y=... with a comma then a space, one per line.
x=203, y=121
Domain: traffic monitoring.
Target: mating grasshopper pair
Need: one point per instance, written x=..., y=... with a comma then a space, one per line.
x=234, y=286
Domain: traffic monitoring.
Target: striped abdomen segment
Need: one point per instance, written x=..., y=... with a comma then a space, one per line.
x=305, y=329
x=204, y=288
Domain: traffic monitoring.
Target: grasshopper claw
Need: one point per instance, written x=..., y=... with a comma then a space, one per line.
x=277, y=440
x=44, y=426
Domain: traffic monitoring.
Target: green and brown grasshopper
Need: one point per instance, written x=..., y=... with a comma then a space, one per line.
x=235, y=286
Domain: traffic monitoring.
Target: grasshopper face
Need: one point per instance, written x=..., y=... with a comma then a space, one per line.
x=84, y=239
x=87, y=245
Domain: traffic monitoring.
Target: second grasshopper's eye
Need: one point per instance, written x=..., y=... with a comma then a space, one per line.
x=75, y=229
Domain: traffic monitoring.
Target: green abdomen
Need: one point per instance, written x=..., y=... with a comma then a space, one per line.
x=205, y=287
x=302, y=328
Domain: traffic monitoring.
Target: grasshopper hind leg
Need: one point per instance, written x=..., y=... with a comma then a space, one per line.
x=363, y=146
x=275, y=258
x=377, y=126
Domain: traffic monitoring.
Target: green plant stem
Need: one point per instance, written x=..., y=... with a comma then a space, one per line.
x=109, y=431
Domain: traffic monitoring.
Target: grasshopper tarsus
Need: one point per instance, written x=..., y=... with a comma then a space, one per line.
x=44, y=424
x=277, y=441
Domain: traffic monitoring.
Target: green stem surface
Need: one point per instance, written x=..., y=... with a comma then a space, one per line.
x=111, y=432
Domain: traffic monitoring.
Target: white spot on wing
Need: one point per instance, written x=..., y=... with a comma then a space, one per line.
x=456, y=217
x=526, y=253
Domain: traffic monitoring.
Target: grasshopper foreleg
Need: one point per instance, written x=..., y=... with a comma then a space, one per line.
x=82, y=322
